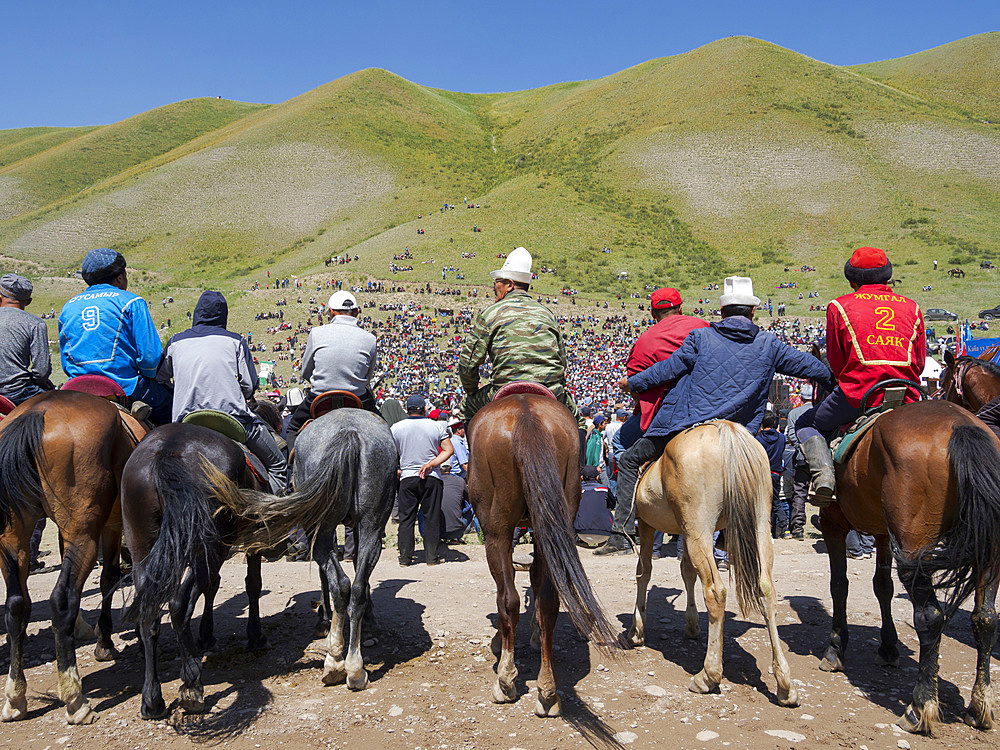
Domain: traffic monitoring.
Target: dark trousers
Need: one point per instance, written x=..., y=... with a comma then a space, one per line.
x=779, y=511
x=36, y=540
x=158, y=396
x=642, y=450
x=301, y=414
x=800, y=488
x=261, y=443
x=832, y=412
x=420, y=494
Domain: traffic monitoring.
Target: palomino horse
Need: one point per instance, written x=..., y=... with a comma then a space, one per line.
x=61, y=456
x=525, y=462
x=178, y=543
x=675, y=496
x=345, y=471
x=925, y=481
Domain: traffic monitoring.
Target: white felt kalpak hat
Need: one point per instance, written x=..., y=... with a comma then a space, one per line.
x=738, y=290
x=342, y=301
x=517, y=267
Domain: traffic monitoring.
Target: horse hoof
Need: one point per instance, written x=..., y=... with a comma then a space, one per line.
x=322, y=630
x=789, y=699
x=206, y=646
x=701, y=683
x=502, y=694
x=887, y=661
x=257, y=644
x=334, y=673
x=496, y=645
x=692, y=633
x=156, y=711
x=82, y=631
x=192, y=700
x=14, y=710
x=633, y=639
x=545, y=708
x=83, y=715
x=102, y=653
x=831, y=664
x=913, y=723
x=359, y=682
x=979, y=716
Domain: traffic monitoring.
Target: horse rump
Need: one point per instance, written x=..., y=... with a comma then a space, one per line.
x=534, y=452
x=968, y=554
x=188, y=536
x=21, y=489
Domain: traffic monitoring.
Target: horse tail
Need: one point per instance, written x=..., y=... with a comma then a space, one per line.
x=187, y=538
x=534, y=450
x=270, y=519
x=746, y=492
x=20, y=481
x=968, y=554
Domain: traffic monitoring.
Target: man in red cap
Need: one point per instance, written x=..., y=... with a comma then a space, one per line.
x=872, y=334
x=656, y=343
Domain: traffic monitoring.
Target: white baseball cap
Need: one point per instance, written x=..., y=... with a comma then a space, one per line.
x=342, y=301
x=516, y=267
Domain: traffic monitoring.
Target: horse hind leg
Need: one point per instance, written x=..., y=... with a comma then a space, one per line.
x=835, y=538
x=692, y=628
x=921, y=715
x=368, y=547
x=636, y=635
x=787, y=694
x=192, y=693
x=699, y=548
x=255, y=636
x=334, y=668
x=546, y=597
x=15, y=573
x=206, y=628
x=984, y=628
x=111, y=573
x=888, y=650
x=508, y=611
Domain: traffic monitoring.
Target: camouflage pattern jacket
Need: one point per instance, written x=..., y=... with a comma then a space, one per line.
x=522, y=340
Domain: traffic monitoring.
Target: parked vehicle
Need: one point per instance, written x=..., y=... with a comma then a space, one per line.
x=991, y=314
x=939, y=313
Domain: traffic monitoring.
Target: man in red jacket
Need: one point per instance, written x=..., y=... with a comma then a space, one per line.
x=656, y=343
x=872, y=334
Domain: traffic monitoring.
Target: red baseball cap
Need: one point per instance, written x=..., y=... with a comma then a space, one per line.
x=664, y=298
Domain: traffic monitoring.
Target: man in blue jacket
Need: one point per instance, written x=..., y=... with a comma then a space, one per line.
x=107, y=330
x=722, y=372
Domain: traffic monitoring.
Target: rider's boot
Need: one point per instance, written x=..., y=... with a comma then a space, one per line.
x=820, y=460
x=617, y=544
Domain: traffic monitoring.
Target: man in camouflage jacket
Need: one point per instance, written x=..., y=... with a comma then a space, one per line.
x=519, y=336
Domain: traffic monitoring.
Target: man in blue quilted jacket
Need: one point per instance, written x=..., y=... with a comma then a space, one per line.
x=722, y=372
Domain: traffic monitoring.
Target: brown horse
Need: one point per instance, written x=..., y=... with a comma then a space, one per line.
x=925, y=481
x=525, y=463
x=61, y=456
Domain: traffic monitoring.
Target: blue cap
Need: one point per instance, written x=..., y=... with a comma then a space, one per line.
x=102, y=264
x=621, y=413
x=416, y=401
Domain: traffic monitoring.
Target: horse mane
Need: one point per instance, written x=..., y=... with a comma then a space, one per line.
x=990, y=367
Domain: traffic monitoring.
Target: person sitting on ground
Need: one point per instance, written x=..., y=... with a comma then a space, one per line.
x=593, y=518
x=872, y=334
x=339, y=356
x=107, y=330
x=212, y=368
x=519, y=336
x=25, y=364
x=722, y=372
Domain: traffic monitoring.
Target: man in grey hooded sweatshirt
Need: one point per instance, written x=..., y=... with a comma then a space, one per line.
x=212, y=368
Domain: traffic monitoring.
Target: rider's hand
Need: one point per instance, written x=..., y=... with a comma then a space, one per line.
x=623, y=384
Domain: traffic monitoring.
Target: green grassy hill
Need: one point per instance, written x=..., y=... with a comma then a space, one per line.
x=739, y=156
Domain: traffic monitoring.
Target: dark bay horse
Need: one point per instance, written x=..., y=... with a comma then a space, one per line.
x=345, y=471
x=178, y=542
x=925, y=481
x=61, y=456
x=673, y=496
x=525, y=463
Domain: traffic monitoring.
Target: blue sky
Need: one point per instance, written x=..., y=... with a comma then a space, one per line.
x=73, y=63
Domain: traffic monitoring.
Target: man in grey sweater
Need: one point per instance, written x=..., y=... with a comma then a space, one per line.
x=25, y=363
x=339, y=356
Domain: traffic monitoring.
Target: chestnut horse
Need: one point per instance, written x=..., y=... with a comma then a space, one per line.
x=525, y=464
x=673, y=496
x=61, y=456
x=925, y=481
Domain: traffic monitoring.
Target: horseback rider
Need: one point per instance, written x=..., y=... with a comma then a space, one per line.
x=339, y=356
x=722, y=372
x=872, y=334
x=25, y=364
x=212, y=368
x=656, y=344
x=107, y=330
x=519, y=336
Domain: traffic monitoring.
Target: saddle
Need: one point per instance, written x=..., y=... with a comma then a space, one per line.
x=231, y=428
x=330, y=400
x=6, y=406
x=844, y=443
x=522, y=387
x=96, y=385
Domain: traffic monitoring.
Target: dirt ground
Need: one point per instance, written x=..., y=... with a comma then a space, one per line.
x=431, y=670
